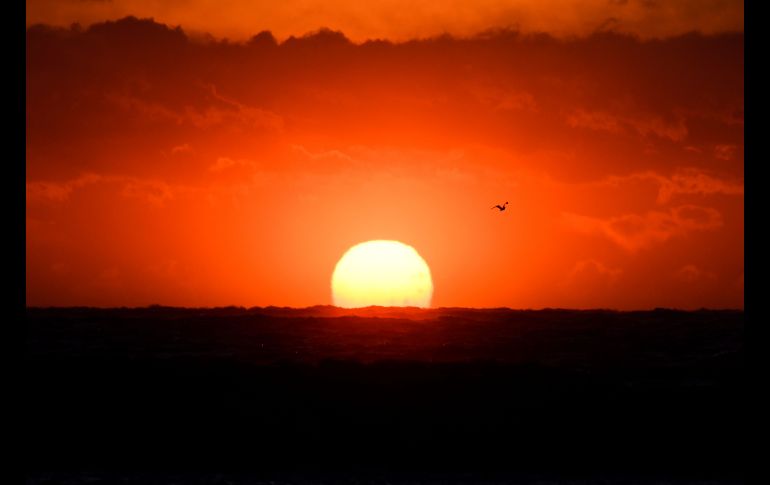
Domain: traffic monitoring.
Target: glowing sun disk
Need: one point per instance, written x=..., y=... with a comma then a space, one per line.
x=384, y=273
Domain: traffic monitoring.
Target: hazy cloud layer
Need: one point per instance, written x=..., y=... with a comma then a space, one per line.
x=604, y=98
x=403, y=19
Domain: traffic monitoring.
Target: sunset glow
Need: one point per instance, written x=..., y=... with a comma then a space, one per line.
x=168, y=165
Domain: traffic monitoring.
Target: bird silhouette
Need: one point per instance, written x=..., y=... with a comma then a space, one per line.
x=500, y=207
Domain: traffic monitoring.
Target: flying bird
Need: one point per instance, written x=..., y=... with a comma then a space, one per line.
x=500, y=207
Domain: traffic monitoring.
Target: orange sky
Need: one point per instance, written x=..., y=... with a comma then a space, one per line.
x=162, y=169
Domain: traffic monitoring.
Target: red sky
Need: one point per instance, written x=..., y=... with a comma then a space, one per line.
x=174, y=168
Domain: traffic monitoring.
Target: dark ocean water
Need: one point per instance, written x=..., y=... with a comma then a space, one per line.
x=324, y=395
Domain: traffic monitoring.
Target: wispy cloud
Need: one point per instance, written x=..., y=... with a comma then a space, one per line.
x=59, y=191
x=686, y=181
x=644, y=125
x=691, y=273
x=634, y=232
x=224, y=163
x=220, y=111
x=156, y=192
x=593, y=271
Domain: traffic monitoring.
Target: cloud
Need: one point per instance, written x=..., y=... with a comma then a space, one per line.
x=226, y=112
x=147, y=109
x=404, y=19
x=503, y=89
x=224, y=163
x=591, y=271
x=500, y=99
x=634, y=232
x=725, y=152
x=594, y=120
x=58, y=191
x=644, y=125
x=332, y=157
x=233, y=110
x=685, y=181
x=155, y=192
x=691, y=273
x=184, y=148
x=693, y=181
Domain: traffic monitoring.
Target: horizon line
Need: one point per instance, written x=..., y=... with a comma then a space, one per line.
x=156, y=306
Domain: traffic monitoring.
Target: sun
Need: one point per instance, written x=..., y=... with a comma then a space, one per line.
x=383, y=273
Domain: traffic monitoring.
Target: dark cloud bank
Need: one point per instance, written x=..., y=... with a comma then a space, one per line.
x=521, y=92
